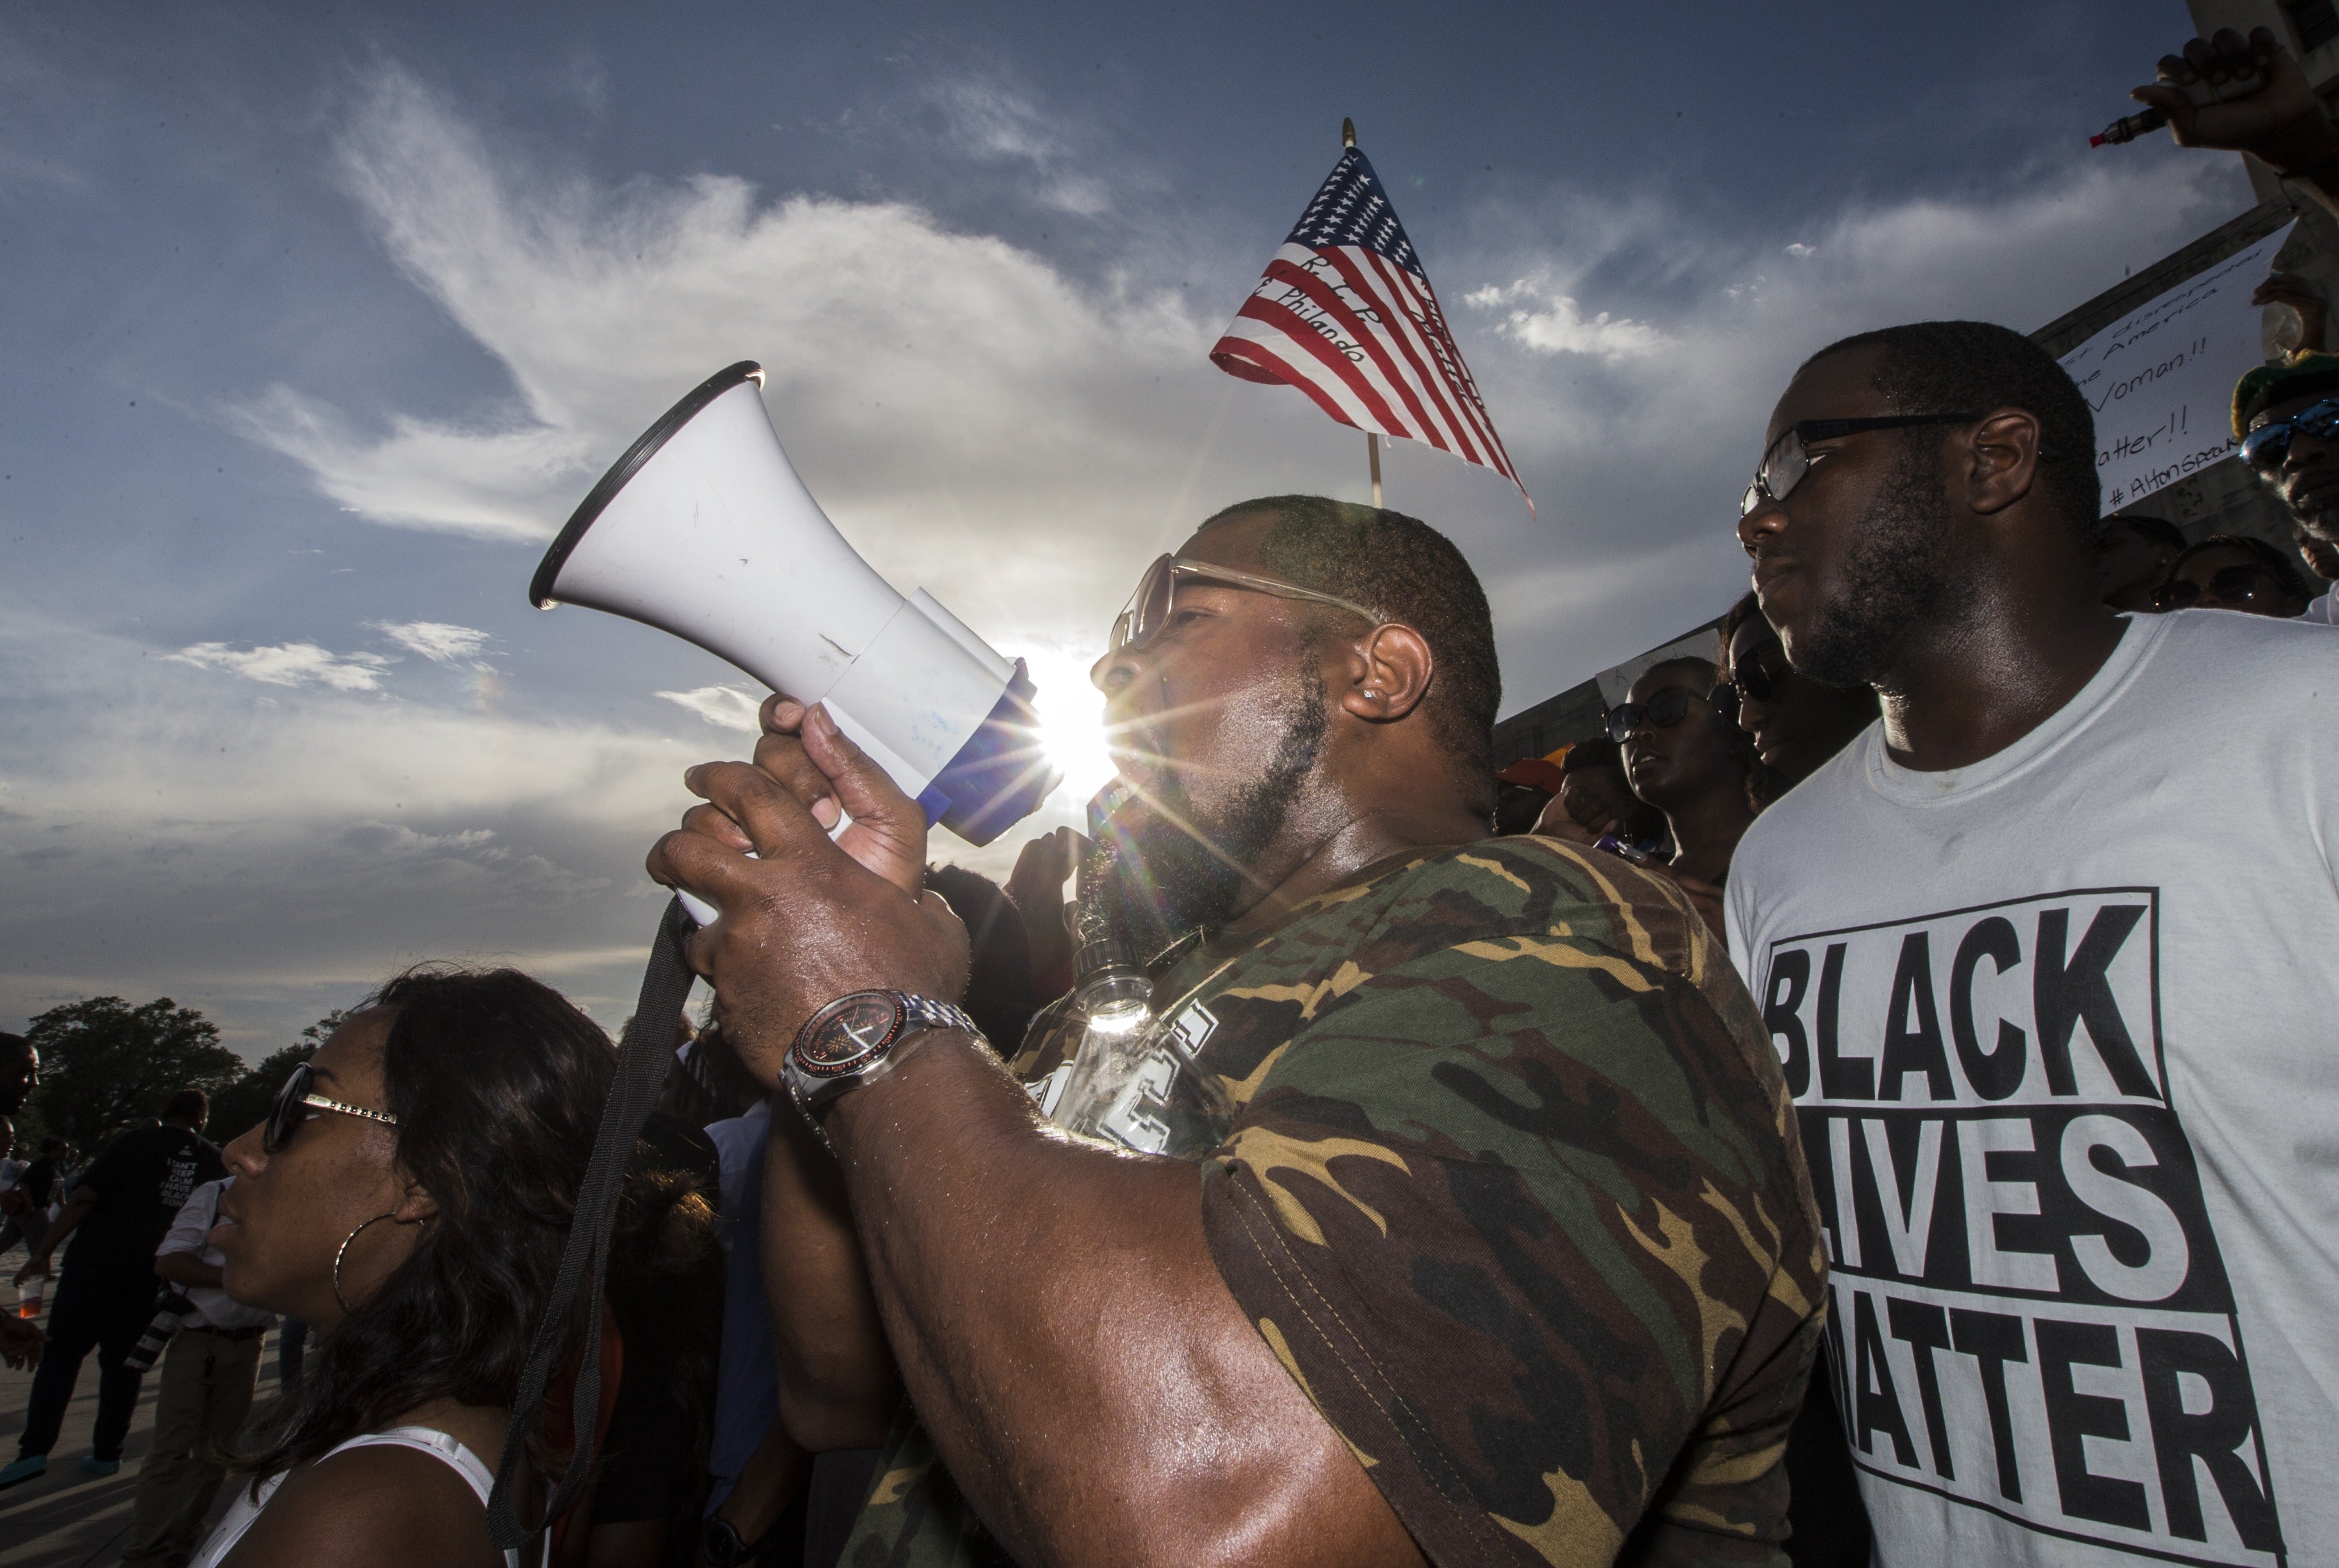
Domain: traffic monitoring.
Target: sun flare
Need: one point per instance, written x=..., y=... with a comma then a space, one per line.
x=1071, y=721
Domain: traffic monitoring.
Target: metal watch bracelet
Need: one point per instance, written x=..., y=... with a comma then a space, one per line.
x=851, y=1042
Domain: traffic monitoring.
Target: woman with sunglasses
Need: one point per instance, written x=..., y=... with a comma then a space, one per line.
x=408, y=1196
x=1796, y=723
x=2234, y=572
x=1686, y=756
x=1683, y=756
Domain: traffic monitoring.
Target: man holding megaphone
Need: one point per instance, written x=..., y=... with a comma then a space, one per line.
x=1509, y=1253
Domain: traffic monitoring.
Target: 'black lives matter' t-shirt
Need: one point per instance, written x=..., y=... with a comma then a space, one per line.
x=142, y=1180
x=2059, y=1027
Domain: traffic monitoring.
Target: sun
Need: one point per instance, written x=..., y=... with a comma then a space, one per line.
x=1071, y=720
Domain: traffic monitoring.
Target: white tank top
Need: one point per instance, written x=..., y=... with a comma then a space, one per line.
x=439, y=1445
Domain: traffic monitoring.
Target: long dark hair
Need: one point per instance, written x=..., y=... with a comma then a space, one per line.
x=498, y=1083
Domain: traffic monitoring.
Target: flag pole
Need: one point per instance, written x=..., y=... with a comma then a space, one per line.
x=1372, y=439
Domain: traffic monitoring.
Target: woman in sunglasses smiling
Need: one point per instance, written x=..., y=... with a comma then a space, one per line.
x=409, y=1195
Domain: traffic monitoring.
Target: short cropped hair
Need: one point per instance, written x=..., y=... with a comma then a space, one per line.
x=190, y=1105
x=1597, y=753
x=1704, y=670
x=2159, y=530
x=1412, y=574
x=1951, y=367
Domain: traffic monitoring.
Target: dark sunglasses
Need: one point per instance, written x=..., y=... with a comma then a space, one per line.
x=1664, y=709
x=1757, y=677
x=1149, y=607
x=1785, y=464
x=292, y=1105
x=2229, y=586
x=2264, y=447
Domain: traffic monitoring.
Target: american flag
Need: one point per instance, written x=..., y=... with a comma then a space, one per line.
x=1346, y=314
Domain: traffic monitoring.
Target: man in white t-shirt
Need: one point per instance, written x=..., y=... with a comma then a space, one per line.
x=2048, y=956
x=209, y=1371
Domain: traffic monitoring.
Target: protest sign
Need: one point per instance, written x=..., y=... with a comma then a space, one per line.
x=2160, y=379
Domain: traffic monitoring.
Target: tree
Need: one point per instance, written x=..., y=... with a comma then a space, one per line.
x=107, y=1066
x=243, y=1104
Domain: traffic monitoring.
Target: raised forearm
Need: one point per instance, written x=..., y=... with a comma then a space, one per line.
x=838, y=1386
x=1093, y=1388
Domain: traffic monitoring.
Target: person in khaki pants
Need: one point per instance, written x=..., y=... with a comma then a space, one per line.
x=208, y=1374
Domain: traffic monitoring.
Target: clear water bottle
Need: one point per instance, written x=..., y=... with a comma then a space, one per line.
x=1139, y=1088
x=1132, y=1079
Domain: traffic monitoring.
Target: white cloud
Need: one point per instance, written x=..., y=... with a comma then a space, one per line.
x=995, y=123
x=908, y=365
x=288, y=665
x=306, y=845
x=396, y=838
x=440, y=641
x=1551, y=323
x=726, y=707
x=978, y=423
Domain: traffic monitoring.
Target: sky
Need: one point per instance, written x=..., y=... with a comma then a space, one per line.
x=320, y=319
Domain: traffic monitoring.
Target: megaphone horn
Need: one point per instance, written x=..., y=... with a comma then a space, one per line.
x=703, y=529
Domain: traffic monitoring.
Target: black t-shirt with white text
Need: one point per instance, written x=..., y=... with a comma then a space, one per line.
x=142, y=1180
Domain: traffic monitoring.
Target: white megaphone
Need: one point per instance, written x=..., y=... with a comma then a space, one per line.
x=703, y=529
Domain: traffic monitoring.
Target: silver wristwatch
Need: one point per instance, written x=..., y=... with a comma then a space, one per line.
x=846, y=1043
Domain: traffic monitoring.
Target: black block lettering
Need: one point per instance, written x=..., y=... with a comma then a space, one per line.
x=2063, y=995
x=1838, y=1079
x=2073, y=1416
x=1915, y=1046
x=1926, y=1328
x=1876, y=1403
x=1997, y=1072
x=2213, y=1435
x=1790, y=972
x=1994, y=1338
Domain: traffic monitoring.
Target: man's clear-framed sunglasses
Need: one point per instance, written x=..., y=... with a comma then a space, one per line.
x=1148, y=610
x=1788, y=459
x=2264, y=449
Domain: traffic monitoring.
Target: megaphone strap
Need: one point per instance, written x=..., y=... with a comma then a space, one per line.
x=643, y=1061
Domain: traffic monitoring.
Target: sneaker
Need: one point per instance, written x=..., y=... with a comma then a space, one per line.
x=25, y=1469
x=96, y=1466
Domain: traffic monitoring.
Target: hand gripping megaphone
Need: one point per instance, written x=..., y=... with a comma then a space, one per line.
x=703, y=529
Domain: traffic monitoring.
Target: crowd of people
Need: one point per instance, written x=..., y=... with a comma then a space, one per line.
x=1865, y=1105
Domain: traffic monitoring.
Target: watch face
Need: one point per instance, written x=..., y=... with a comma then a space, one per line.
x=847, y=1032
x=722, y=1544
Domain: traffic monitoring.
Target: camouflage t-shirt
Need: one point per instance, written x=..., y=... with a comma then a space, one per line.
x=1514, y=1195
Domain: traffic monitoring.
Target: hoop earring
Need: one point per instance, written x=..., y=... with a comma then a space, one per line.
x=342, y=1250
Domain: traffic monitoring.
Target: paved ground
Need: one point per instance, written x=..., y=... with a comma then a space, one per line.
x=68, y=1519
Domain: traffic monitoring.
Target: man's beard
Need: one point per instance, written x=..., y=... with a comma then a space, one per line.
x=1182, y=869
x=2323, y=521
x=1902, y=570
